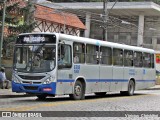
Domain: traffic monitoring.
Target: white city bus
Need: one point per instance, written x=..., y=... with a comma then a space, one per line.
x=49, y=64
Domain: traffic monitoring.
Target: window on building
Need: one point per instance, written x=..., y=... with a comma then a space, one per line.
x=110, y=36
x=128, y=58
x=147, y=40
x=106, y=55
x=138, y=61
x=78, y=53
x=158, y=40
x=92, y=54
x=123, y=38
x=117, y=57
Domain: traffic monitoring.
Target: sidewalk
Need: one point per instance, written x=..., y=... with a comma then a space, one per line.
x=156, y=87
x=7, y=93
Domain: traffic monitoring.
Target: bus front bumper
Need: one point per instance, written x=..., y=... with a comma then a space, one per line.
x=34, y=88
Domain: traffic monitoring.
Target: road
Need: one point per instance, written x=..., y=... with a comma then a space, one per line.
x=143, y=100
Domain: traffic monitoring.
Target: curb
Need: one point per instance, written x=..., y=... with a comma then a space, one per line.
x=7, y=93
x=14, y=96
x=153, y=88
x=156, y=87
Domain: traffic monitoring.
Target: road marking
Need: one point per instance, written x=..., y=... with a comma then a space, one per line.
x=29, y=108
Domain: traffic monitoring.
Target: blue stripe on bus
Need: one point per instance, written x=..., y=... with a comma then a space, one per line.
x=104, y=80
x=65, y=80
x=145, y=80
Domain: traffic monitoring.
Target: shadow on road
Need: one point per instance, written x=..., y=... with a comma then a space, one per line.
x=88, y=97
x=66, y=97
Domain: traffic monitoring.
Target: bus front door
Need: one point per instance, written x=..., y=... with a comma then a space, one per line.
x=64, y=73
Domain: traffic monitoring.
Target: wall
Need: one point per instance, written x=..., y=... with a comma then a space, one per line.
x=127, y=33
x=51, y=27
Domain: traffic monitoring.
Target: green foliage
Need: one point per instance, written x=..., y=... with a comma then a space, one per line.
x=15, y=22
x=10, y=38
x=24, y=28
x=103, y=0
x=76, y=0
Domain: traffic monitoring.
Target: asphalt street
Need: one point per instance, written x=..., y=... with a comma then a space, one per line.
x=92, y=106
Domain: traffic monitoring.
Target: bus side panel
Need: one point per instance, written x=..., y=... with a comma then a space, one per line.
x=91, y=75
x=116, y=84
x=59, y=88
x=64, y=81
x=128, y=74
x=149, y=77
x=105, y=77
x=139, y=78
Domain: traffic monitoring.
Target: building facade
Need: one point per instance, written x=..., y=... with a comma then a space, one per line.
x=52, y=20
x=132, y=23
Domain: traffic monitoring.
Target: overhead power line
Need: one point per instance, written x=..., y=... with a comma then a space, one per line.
x=99, y=22
x=97, y=17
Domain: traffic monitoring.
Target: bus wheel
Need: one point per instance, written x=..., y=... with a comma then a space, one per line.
x=100, y=93
x=131, y=88
x=41, y=97
x=78, y=91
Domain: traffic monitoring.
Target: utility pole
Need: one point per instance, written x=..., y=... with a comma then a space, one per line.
x=105, y=18
x=2, y=31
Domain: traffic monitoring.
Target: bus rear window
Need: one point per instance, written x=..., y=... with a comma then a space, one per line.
x=36, y=39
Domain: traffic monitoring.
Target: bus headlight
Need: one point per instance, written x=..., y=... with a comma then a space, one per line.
x=47, y=81
x=15, y=79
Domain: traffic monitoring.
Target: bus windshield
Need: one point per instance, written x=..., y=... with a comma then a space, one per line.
x=35, y=58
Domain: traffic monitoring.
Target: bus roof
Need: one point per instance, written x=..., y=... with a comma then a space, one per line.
x=95, y=42
x=104, y=43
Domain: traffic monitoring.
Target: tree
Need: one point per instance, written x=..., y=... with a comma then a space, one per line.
x=18, y=19
x=157, y=1
x=15, y=19
x=76, y=0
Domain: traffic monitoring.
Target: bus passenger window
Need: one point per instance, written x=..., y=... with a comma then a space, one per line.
x=138, y=61
x=117, y=57
x=75, y=58
x=146, y=60
x=152, y=60
x=106, y=55
x=92, y=55
x=128, y=58
x=78, y=53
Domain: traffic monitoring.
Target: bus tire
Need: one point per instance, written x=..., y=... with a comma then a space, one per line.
x=131, y=88
x=79, y=91
x=100, y=93
x=41, y=97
